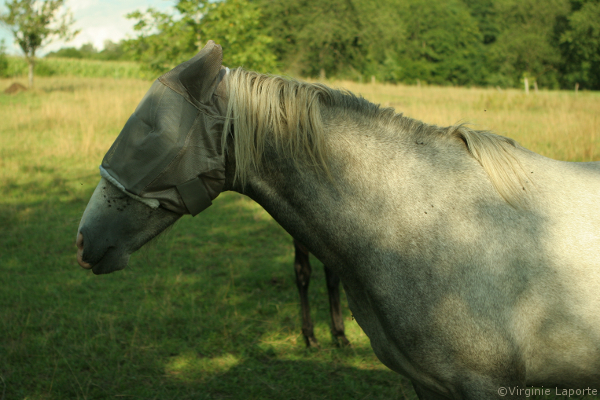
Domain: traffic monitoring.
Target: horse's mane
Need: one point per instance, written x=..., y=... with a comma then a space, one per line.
x=288, y=114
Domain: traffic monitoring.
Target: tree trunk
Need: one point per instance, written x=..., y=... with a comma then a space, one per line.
x=31, y=63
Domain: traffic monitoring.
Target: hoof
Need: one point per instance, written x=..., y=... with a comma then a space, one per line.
x=342, y=341
x=311, y=341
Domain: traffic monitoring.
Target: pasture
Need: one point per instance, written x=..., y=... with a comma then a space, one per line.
x=210, y=310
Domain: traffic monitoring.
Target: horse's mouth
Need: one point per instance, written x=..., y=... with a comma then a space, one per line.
x=111, y=260
x=100, y=269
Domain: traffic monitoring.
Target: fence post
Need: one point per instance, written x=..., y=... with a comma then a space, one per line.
x=576, y=87
x=526, y=82
x=322, y=74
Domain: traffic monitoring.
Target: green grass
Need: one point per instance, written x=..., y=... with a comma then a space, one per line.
x=208, y=311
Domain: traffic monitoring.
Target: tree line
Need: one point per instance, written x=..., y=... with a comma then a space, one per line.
x=553, y=43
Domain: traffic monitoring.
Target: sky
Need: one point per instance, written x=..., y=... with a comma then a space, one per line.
x=97, y=20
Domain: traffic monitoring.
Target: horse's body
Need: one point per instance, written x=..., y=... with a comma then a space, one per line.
x=471, y=263
x=440, y=271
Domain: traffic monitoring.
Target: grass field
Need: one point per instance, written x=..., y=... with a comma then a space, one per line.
x=82, y=68
x=209, y=311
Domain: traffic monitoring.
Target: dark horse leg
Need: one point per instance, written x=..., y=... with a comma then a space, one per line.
x=335, y=308
x=303, y=271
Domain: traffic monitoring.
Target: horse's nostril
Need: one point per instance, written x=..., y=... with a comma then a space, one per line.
x=79, y=244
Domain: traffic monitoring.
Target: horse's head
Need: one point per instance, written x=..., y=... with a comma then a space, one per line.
x=167, y=161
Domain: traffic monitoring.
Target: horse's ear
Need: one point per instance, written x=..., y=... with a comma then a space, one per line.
x=197, y=77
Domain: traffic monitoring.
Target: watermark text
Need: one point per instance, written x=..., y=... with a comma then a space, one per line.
x=528, y=392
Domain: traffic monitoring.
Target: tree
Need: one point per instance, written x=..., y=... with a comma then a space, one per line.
x=166, y=40
x=443, y=44
x=580, y=45
x=3, y=60
x=35, y=23
x=237, y=26
x=527, y=45
x=315, y=37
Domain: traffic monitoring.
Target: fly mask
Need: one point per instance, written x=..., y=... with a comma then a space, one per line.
x=169, y=151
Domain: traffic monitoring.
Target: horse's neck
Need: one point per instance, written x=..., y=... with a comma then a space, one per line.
x=324, y=213
x=289, y=197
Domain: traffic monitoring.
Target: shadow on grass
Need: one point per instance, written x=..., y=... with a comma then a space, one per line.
x=209, y=310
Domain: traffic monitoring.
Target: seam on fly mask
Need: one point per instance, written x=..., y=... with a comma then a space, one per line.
x=152, y=203
x=157, y=101
x=227, y=70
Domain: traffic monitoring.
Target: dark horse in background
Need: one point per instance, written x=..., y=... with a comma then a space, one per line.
x=471, y=263
x=303, y=272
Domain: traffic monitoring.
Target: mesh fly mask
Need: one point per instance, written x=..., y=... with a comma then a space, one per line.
x=169, y=151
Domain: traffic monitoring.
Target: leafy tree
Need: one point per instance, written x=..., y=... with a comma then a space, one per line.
x=85, y=51
x=486, y=15
x=34, y=23
x=66, y=52
x=527, y=44
x=3, y=60
x=237, y=25
x=459, y=42
x=166, y=40
x=314, y=37
x=111, y=51
x=331, y=37
x=383, y=35
x=435, y=41
x=443, y=44
x=163, y=40
x=580, y=45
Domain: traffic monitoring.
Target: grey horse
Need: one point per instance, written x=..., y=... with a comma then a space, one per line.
x=471, y=263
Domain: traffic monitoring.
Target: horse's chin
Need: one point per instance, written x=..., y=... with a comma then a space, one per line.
x=112, y=261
